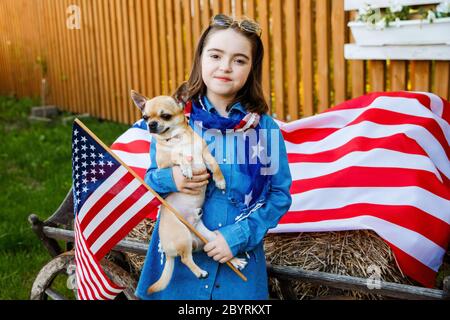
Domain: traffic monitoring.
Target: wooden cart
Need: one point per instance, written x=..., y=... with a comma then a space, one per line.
x=60, y=227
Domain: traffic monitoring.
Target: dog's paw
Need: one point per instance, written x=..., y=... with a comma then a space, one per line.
x=203, y=274
x=220, y=184
x=187, y=171
x=239, y=263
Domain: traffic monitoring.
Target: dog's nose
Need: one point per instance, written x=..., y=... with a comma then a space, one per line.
x=153, y=125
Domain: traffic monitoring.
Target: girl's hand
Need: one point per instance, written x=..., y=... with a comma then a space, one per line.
x=190, y=186
x=218, y=249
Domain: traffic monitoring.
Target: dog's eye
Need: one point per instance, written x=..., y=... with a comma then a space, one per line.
x=145, y=117
x=166, y=117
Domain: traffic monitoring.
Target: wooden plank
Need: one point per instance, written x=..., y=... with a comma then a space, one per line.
x=146, y=39
x=140, y=38
x=77, y=70
x=278, y=58
x=105, y=102
x=119, y=92
x=306, y=30
x=377, y=76
x=239, y=8
x=125, y=82
x=163, y=47
x=441, y=79
x=389, y=289
x=420, y=75
x=206, y=15
x=171, y=47
x=398, y=75
x=87, y=57
x=82, y=62
x=189, y=53
x=57, y=25
x=155, y=49
x=339, y=38
x=179, y=43
x=135, y=114
x=196, y=21
x=292, y=58
x=323, y=16
x=216, y=7
x=250, y=9
x=70, y=65
x=110, y=69
x=263, y=20
x=226, y=7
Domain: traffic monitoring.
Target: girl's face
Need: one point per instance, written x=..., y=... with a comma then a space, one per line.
x=226, y=62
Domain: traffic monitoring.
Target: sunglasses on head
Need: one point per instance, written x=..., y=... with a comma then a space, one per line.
x=247, y=25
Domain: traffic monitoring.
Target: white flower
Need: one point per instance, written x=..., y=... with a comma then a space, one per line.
x=397, y=22
x=364, y=10
x=381, y=24
x=431, y=16
x=443, y=7
x=395, y=6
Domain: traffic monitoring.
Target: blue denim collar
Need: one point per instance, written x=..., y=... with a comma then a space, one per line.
x=211, y=108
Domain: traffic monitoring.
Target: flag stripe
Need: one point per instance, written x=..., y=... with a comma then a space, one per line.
x=331, y=198
x=374, y=177
x=396, y=142
x=130, y=224
x=118, y=224
x=377, y=158
x=94, y=277
x=406, y=216
x=110, y=204
x=134, y=193
x=100, y=191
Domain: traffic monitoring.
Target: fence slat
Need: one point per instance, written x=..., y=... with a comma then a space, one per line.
x=376, y=75
x=420, y=71
x=278, y=58
x=339, y=39
x=189, y=51
x=442, y=78
x=323, y=47
x=292, y=58
x=398, y=75
x=306, y=31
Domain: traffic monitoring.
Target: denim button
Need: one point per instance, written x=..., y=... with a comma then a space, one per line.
x=219, y=225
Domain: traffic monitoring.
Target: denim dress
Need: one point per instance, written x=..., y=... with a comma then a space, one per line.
x=244, y=236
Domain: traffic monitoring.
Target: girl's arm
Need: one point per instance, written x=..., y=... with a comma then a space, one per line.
x=246, y=234
x=160, y=180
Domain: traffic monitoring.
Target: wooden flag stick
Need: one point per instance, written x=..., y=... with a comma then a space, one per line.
x=163, y=202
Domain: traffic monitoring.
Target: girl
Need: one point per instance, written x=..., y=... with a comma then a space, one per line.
x=225, y=99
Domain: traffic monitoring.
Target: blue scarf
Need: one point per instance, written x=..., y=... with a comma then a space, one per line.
x=256, y=193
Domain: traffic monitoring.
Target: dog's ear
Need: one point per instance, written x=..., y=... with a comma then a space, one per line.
x=139, y=100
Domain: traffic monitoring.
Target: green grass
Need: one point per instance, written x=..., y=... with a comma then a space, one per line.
x=35, y=175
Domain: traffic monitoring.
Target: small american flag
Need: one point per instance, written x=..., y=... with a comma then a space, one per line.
x=109, y=201
x=378, y=162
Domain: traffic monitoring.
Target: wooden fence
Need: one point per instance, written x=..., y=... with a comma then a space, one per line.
x=148, y=46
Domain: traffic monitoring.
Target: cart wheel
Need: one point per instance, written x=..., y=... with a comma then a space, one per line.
x=57, y=278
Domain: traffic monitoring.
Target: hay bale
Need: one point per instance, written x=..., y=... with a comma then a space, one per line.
x=345, y=253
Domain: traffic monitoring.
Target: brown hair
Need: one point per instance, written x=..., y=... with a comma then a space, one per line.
x=251, y=95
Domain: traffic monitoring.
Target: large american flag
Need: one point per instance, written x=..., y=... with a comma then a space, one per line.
x=109, y=201
x=377, y=162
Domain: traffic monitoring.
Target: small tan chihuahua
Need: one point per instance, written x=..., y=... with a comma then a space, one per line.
x=178, y=145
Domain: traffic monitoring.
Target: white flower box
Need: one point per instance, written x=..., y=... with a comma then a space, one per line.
x=405, y=32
